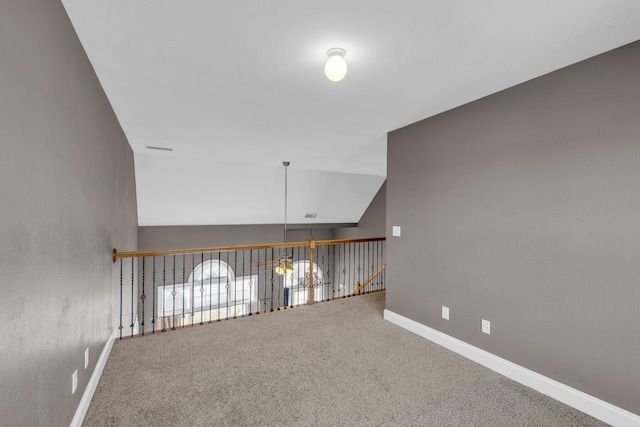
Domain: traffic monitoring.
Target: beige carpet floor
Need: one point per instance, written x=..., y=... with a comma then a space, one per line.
x=330, y=364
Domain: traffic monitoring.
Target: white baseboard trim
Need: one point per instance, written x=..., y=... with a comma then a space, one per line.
x=78, y=418
x=588, y=404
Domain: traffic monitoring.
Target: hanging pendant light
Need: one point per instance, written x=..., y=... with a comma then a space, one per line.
x=336, y=66
x=285, y=266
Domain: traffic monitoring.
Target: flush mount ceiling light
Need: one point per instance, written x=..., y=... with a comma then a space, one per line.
x=336, y=66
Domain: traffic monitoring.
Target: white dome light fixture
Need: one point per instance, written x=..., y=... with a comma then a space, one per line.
x=336, y=66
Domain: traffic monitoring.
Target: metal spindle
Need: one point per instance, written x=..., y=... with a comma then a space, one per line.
x=352, y=272
x=173, y=294
x=251, y=284
x=281, y=277
x=264, y=283
x=132, y=291
x=202, y=289
x=153, y=308
x=120, y=327
x=210, y=289
x=219, y=283
x=325, y=267
x=359, y=269
x=184, y=279
x=235, y=284
x=331, y=262
x=142, y=297
x=164, y=292
x=243, y=279
x=272, y=254
x=228, y=287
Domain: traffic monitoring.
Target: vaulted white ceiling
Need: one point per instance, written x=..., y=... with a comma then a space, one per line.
x=235, y=87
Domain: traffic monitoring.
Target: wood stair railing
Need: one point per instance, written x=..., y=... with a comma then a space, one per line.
x=361, y=286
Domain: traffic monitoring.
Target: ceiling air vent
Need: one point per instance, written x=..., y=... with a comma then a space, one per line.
x=159, y=148
x=311, y=215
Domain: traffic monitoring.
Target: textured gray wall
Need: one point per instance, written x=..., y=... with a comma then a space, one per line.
x=522, y=208
x=201, y=236
x=373, y=221
x=67, y=194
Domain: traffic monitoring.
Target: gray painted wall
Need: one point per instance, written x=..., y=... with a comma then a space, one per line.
x=67, y=194
x=373, y=221
x=523, y=208
x=201, y=236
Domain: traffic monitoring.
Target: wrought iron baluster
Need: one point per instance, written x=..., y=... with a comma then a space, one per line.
x=264, y=284
x=143, y=296
x=285, y=291
x=183, y=293
x=352, y=271
x=251, y=284
x=370, y=260
x=228, y=287
x=164, y=292
x=331, y=262
x=356, y=265
x=281, y=276
x=360, y=278
x=325, y=264
x=383, y=261
x=219, y=283
x=374, y=263
x=378, y=263
x=120, y=326
x=202, y=289
x=344, y=270
x=243, y=286
x=191, y=287
x=210, y=287
x=258, y=282
x=272, y=255
x=155, y=301
x=132, y=290
x=235, y=284
x=174, y=293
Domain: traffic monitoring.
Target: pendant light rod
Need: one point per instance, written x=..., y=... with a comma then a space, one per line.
x=285, y=164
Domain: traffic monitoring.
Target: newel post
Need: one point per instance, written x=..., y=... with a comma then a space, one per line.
x=311, y=294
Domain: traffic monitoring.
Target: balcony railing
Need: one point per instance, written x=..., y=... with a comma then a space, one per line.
x=172, y=289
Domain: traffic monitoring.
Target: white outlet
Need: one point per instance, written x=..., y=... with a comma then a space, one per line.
x=86, y=358
x=486, y=327
x=74, y=381
x=445, y=312
x=396, y=231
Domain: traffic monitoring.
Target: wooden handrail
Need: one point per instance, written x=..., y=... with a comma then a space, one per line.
x=139, y=254
x=366, y=282
x=340, y=241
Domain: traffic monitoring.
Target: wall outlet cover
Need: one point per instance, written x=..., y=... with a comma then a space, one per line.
x=86, y=358
x=445, y=312
x=396, y=231
x=486, y=327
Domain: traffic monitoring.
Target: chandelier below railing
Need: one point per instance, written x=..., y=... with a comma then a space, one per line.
x=285, y=265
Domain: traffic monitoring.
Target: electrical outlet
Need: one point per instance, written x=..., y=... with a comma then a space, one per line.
x=74, y=381
x=486, y=327
x=445, y=312
x=86, y=358
x=396, y=231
